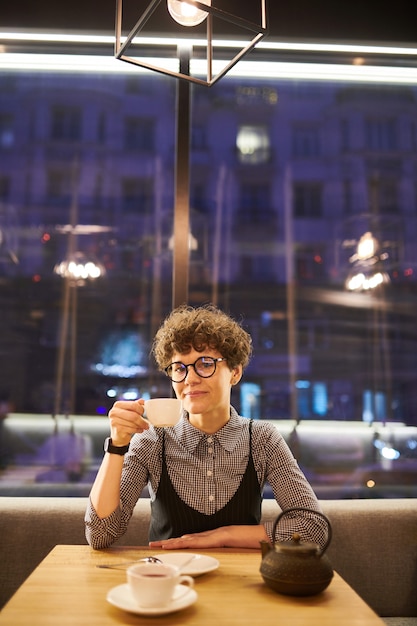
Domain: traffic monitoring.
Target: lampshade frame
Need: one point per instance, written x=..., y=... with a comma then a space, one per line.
x=258, y=32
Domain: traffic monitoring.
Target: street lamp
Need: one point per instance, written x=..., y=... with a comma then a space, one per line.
x=79, y=268
x=76, y=269
x=368, y=274
x=367, y=261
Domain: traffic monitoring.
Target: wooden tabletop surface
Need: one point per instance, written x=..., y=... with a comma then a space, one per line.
x=68, y=588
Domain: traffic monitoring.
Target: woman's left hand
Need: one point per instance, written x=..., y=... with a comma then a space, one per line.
x=223, y=537
x=206, y=539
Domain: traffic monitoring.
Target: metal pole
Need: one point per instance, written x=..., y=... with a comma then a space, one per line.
x=68, y=321
x=218, y=233
x=181, y=252
x=291, y=308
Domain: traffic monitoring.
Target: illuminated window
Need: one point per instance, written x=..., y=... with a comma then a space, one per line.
x=253, y=144
x=373, y=406
x=312, y=398
x=303, y=398
x=320, y=400
x=250, y=394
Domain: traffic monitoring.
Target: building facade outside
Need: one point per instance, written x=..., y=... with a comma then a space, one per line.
x=286, y=177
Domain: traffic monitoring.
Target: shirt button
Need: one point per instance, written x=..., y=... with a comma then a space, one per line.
x=210, y=440
x=210, y=450
x=211, y=498
x=209, y=473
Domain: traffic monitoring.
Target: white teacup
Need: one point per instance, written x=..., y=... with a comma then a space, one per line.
x=163, y=411
x=153, y=584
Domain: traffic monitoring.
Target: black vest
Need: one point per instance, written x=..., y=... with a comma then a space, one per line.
x=172, y=517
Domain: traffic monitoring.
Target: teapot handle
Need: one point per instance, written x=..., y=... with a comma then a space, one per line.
x=329, y=531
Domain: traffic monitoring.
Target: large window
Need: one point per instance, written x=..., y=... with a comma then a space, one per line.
x=303, y=225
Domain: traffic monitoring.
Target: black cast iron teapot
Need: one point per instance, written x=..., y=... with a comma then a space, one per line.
x=295, y=568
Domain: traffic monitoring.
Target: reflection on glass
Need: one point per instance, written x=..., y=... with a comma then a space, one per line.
x=296, y=185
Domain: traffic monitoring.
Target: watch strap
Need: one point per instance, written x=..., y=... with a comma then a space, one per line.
x=111, y=449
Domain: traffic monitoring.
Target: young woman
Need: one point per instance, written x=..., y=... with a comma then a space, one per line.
x=206, y=474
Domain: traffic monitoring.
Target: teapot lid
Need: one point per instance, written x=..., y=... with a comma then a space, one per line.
x=297, y=546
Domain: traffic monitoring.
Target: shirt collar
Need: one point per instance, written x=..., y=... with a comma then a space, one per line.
x=228, y=436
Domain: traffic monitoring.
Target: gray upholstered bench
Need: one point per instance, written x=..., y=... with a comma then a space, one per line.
x=374, y=545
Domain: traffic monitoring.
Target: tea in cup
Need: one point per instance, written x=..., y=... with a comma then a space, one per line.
x=153, y=584
x=163, y=411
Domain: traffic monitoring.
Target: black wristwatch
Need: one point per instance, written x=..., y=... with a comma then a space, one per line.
x=111, y=449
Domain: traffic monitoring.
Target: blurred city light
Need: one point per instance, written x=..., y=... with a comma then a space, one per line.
x=79, y=268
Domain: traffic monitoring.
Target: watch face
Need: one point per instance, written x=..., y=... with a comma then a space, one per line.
x=108, y=447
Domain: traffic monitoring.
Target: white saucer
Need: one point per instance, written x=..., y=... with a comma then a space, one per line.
x=199, y=564
x=121, y=597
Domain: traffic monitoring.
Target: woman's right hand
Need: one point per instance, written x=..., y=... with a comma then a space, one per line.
x=126, y=419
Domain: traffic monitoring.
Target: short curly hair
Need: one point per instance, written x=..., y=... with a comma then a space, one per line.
x=187, y=328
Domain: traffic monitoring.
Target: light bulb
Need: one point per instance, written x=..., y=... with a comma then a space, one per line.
x=187, y=14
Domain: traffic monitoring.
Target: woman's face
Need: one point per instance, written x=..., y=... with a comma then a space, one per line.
x=202, y=396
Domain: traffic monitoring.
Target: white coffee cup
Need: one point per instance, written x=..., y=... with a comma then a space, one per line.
x=163, y=411
x=153, y=584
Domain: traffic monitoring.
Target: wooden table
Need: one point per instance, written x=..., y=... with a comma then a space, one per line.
x=68, y=588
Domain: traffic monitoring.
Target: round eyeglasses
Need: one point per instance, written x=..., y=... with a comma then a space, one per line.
x=205, y=366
